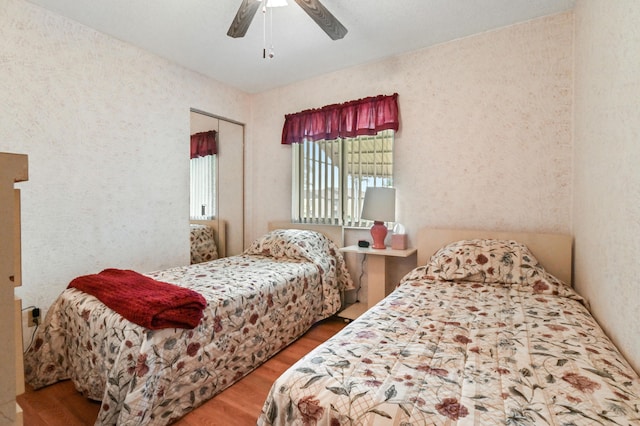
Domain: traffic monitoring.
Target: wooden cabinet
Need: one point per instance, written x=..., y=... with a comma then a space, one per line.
x=13, y=168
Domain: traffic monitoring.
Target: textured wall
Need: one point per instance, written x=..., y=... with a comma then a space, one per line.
x=606, y=212
x=485, y=137
x=106, y=128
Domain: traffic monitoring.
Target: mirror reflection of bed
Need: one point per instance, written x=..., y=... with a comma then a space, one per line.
x=208, y=240
x=227, y=202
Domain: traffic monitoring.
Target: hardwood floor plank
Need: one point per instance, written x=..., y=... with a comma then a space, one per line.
x=61, y=405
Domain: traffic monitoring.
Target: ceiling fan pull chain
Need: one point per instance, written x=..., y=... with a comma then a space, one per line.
x=264, y=29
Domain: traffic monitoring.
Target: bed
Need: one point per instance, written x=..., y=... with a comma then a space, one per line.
x=479, y=333
x=256, y=304
x=207, y=240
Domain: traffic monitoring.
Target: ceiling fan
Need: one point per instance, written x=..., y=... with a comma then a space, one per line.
x=313, y=8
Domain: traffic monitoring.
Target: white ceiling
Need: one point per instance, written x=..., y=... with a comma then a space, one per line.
x=192, y=33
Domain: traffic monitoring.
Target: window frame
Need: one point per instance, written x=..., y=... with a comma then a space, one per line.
x=304, y=208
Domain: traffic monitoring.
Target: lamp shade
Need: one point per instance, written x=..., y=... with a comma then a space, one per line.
x=379, y=205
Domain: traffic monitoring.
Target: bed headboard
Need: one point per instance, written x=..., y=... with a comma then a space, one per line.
x=334, y=232
x=220, y=233
x=553, y=251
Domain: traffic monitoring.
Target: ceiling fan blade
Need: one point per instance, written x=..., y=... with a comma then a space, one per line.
x=323, y=18
x=243, y=18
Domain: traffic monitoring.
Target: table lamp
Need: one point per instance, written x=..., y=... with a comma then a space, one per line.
x=380, y=206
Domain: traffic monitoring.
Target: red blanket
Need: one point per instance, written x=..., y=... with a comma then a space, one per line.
x=143, y=300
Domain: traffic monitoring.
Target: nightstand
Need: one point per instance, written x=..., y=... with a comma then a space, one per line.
x=378, y=286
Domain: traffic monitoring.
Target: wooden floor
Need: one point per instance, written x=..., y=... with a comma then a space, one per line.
x=60, y=404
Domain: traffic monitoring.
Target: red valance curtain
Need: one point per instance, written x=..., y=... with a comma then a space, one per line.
x=365, y=116
x=203, y=144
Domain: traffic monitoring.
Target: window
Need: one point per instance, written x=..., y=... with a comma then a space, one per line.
x=202, y=171
x=203, y=175
x=330, y=177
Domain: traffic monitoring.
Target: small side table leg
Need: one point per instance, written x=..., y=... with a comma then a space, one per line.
x=376, y=278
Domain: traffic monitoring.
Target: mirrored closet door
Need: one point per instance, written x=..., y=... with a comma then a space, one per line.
x=220, y=195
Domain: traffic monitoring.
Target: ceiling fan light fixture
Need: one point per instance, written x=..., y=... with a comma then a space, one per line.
x=314, y=8
x=277, y=3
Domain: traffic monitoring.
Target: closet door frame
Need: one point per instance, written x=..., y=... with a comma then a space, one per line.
x=230, y=180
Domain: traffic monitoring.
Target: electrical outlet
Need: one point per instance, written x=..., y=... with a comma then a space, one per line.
x=33, y=317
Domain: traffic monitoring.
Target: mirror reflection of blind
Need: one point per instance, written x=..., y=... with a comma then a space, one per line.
x=203, y=187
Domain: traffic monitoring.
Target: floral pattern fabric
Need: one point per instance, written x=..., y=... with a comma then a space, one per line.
x=203, y=244
x=311, y=246
x=464, y=352
x=257, y=305
x=486, y=260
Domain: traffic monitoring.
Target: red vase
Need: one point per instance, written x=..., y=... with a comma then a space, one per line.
x=378, y=233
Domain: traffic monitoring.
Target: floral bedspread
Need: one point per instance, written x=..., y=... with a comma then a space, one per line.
x=468, y=351
x=203, y=243
x=257, y=304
